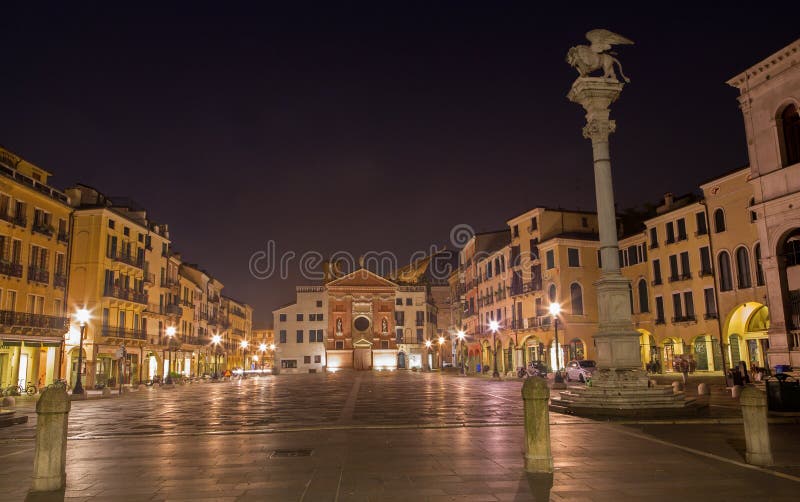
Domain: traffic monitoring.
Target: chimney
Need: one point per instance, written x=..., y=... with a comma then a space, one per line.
x=668, y=198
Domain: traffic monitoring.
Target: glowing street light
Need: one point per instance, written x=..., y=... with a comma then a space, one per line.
x=555, y=310
x=262, y=347
x=215, y=340
x=170, y=335
x=441, y=352
x=494, y=327
x=82, y=316
x=243, y=344
x=460, y=335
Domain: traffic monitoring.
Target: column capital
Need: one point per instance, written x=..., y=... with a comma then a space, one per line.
x=599, y=129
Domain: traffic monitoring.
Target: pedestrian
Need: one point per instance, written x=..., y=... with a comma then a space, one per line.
x=692, y=364
x=684, y=365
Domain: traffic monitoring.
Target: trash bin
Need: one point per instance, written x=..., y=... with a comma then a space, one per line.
x=783, y=393
x=478, y=367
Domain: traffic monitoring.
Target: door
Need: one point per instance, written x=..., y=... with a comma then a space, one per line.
x=701, y=353
x=401, y=360
x=23, y=370
x=362, y=359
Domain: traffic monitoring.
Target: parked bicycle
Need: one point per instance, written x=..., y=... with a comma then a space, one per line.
x=18, y=390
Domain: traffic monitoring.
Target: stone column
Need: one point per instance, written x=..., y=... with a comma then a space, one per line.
x=50, y=456
x=756, y=429
x=617, y=341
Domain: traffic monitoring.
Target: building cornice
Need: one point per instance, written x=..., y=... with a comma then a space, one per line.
x=767, y=68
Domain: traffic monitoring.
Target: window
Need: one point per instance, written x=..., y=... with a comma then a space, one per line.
x=759, y=270
x=705, y=261
x=644, y=301
x=599, y=259
x=319, y=303
x=710, y=303
x=409, y=302
x=743, y=268
x=682, y=229
x=659, y=310
x=584, y=222
x=339, y=345
x=283, y=336
x=725, y=280
x=633, y=255
x=719, y=220
x=686, y=272
x=653, y=238
x=299, y=336
x=111, y=223
x=126, y=231
x=688, y=305
x=573, y=257
x=515, y=231
x=753, y=214
x=656, y=272
x=282, y=317
x=398, y=301
x=420, y=335
x=576, y=297
x=790, y=127
x=288, y=363
x=550, y=259
x=534, y=223
x=306, y=359
x=700, y=219
x=317, y=359
x=673, y=268
x=677, y=308
x=299, y=317
x=551, y=293
x=670, y=233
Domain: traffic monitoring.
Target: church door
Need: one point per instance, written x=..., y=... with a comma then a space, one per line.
x=362, y=359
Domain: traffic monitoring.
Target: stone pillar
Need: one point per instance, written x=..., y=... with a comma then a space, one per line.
x=50, y=457
x=536, y=398
x=756, y=430
x=617, y=341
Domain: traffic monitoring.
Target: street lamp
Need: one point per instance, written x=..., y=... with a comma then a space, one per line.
x=170, y=335
x=441, y=352
x=243, y=344
x=494, y=327
x=82, y=316
x=216, y=339
x=555, y=310
x=263, y=349
x=427, y=352
x=460, y=335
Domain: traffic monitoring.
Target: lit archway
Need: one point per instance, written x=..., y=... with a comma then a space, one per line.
x=746, y=334
x=647, y=344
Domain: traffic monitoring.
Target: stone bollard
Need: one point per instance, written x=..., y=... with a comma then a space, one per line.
x=9, y=402
x=677, y=386
x=756, y=431
x=50, y=457
x=536, y=398
x=106, y=391
x=736, y=391
x=703, y=389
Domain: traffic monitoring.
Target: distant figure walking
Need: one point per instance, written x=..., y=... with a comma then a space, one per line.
x=684, y=365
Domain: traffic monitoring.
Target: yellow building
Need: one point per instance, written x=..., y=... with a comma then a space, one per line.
x=108, y=276
x=34, y=240
x=266, y=337
x=237, y=319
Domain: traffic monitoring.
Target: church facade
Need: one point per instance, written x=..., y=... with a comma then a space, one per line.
x=359, y=321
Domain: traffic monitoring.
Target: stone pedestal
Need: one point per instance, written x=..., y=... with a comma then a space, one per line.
x=538, y=455
x=50, y=456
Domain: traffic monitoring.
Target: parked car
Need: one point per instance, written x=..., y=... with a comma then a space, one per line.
x=580, y=370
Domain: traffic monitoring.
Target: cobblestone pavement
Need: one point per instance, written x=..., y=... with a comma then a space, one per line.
x=381, y=436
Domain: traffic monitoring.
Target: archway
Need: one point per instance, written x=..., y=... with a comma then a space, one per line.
x=533, y=349
x=649, y=349
x=671, y=347
x=575, y=350
x=73, y=366
x=746, y=332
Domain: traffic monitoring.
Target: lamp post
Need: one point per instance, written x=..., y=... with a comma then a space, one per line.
x=243, y=344
x=170, y=335
x=272, y=349
x=82, y=316
x=263, y=349
x=555, y=310
x=427, y=353
x=441, y=352
x=460, y=336
x=494, y=327
x=215, y=340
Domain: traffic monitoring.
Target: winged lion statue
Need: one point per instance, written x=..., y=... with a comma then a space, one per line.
x=589, y=58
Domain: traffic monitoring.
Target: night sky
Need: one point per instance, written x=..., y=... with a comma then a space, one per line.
x=363, y=128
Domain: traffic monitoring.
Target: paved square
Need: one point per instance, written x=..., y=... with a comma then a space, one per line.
x=380, y=436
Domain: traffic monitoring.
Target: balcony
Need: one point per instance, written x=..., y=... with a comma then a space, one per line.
x=656, y=282
x=674, y=278
x=60, y=281
x=684, y=318
x=11, y=269
x=686, y=276
x=125, y=294
x=173, y=309
x=11, y=318
x=420, y=322
x=653, y=245
x=706, y=272
x=528, y=287
x=213, y=298
x=43, y=228
x=19, y=221
x=36, y=274
x=134, y=261
x=129, y=334
x=682, y=237
x=203, y=316
x=238, y=313
x=63, y=237
x=517, y=324
x=542, y=321
x=170, y=283
x=710, y=315
x=187, y=304
x=223, y=323
x=149, y=278
x=670, y=240
x=213, y=320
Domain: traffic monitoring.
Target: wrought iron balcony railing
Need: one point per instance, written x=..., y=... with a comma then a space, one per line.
x=60, y=280
x=135, y=261
x=11, y=269
x=116, y=332
x=125, y=294
x=11, y=318
x=36, y=274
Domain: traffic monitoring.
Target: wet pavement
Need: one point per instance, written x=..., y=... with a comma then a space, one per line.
x=384, y=436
